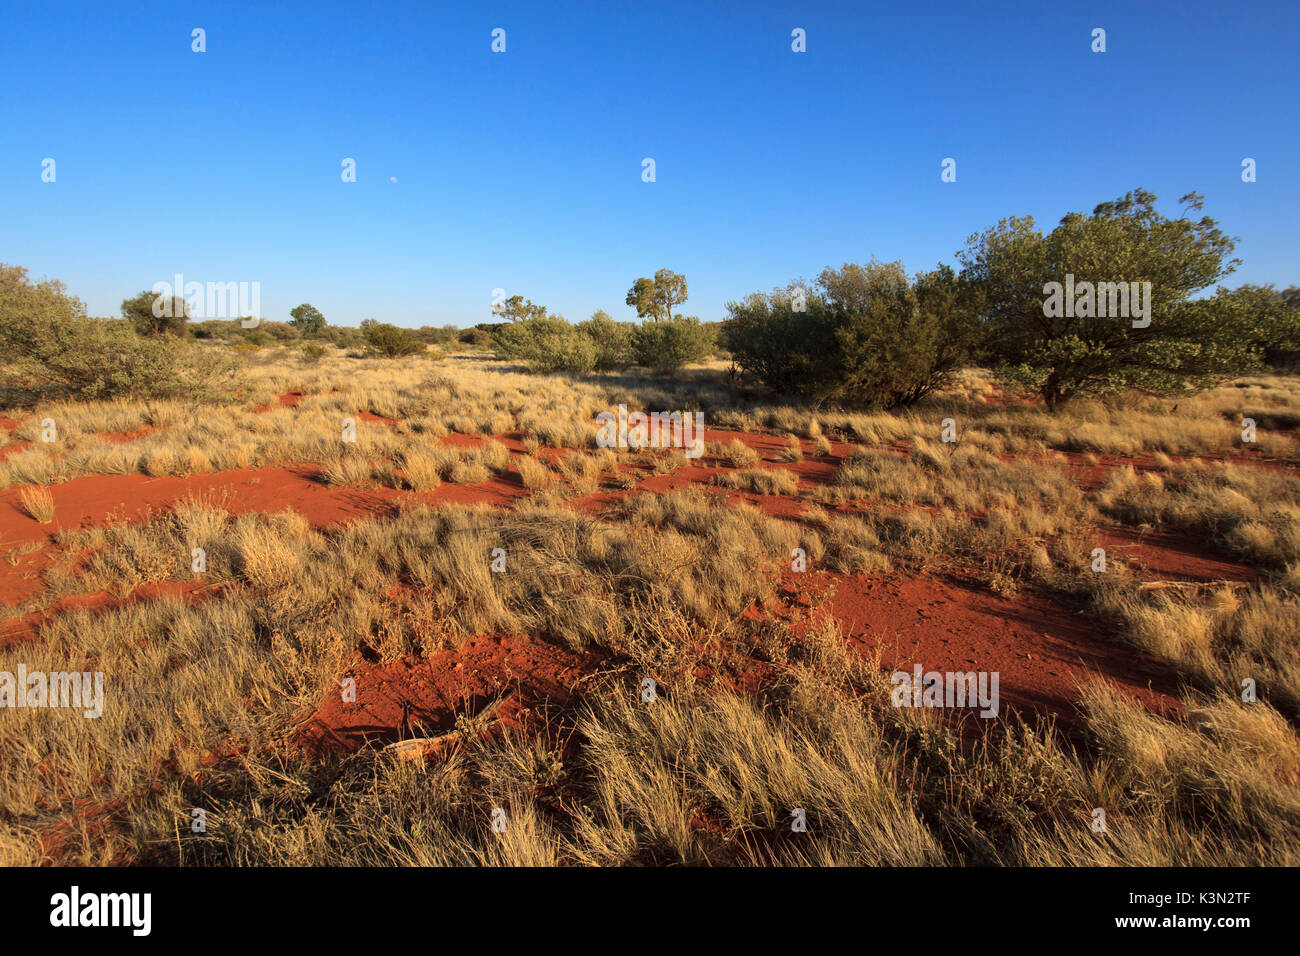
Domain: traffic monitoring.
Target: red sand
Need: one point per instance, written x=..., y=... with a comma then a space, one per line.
x=513, y=675
x=1042, y=653
x=1169, y=556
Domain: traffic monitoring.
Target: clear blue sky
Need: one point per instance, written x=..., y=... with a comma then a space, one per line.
x=522, y=170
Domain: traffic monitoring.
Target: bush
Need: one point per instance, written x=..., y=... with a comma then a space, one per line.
x=667, y=345
x=446, y=337
x=313, y=352
x=224, y=330
x=50, y=347
x=389, y=340
x=345, y=337
x=151, y=314
x=281, y=332
x=867, y=336
x=481, y=336
x=613, y=340
x=546, y=345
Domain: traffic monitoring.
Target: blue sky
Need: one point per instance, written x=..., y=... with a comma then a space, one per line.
x=522, y=170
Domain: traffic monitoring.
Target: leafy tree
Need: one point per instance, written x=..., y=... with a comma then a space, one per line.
x=1186, y=343
x=518, y=309
x=307, y=319
x=655, y=298
x=154, y=314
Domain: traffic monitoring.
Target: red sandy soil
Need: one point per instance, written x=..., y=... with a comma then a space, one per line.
x=1169, y=556
x=14, y=449
x=516, y=676
x=287, y=400
x=1042, y=653
x=144, y=431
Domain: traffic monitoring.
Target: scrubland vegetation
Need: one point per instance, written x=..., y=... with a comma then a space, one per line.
x=521, y=687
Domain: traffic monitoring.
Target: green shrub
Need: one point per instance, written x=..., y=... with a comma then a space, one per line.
x=152, y=314
x=50, y=347
x=867, y=336
x=282, y=332
x=345, y=337
x=481, y=336
x=547, y=344
x=313, y=352
x=668, y=344
x=388, y=340
x=613, y=340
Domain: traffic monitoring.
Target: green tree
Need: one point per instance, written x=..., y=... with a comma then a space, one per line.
x=518, y=309
x=1065, y=349
x=655, y=298
x=307, y=319
x=153, y=314
x=1268, y=318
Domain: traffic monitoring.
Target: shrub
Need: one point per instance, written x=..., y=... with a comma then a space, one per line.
x=613, y=340
x=50, y=346
x=389, y=340
x=668, y=344
x=313, y=352
x=282, y=332
x=867, y=336
x=480, y=336
x=345, y=337
x=152, y=314
x=547, y=344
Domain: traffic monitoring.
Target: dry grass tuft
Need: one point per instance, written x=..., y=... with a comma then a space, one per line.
x=38, y=502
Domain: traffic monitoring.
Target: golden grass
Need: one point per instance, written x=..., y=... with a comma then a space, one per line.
x=763, y=481
x=38, y=502
x=534, y=474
